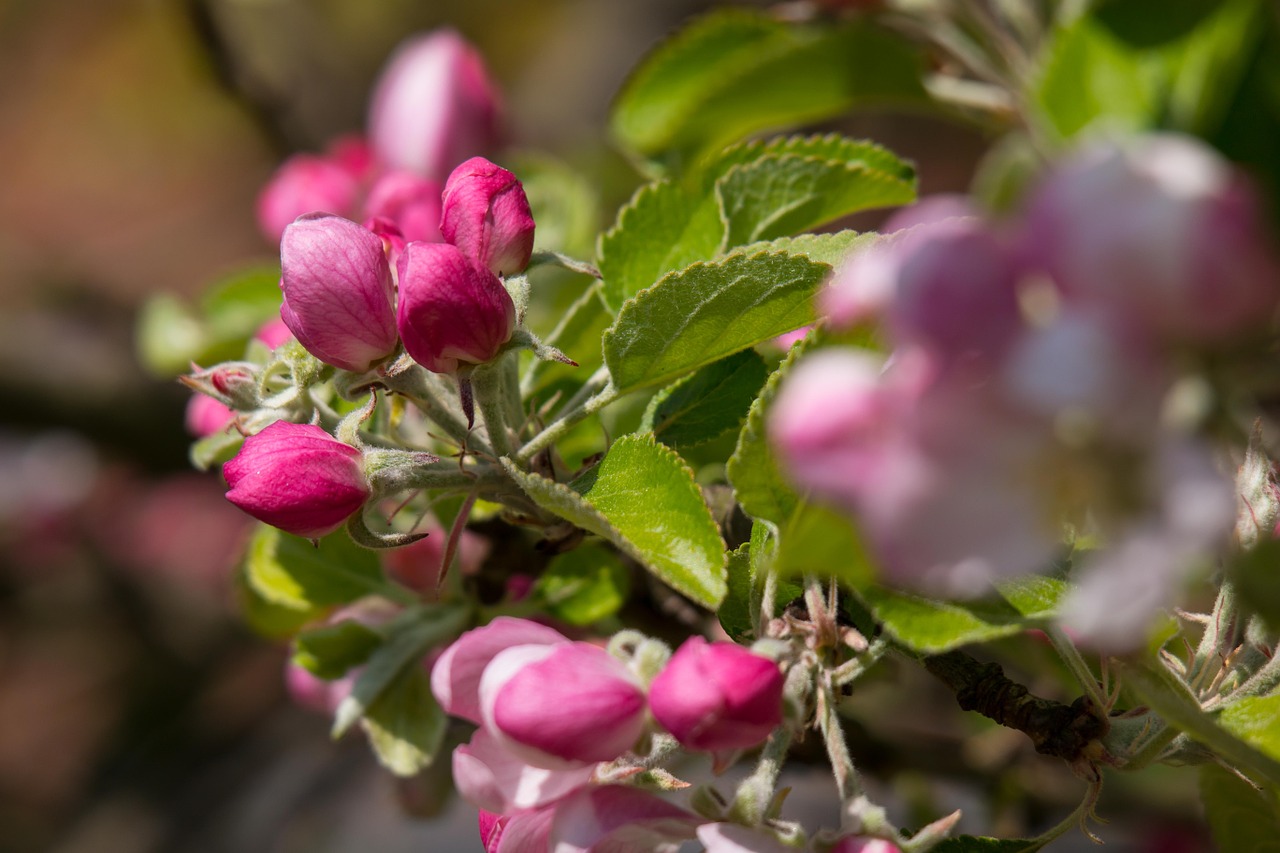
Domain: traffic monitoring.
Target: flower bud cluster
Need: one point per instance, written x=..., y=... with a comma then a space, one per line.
x=1032, y=383
x=550, y=711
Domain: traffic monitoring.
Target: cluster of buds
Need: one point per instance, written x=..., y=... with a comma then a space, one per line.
x=1034, y=381
x=553, y=712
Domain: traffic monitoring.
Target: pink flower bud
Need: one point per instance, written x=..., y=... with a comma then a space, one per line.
x=305, y=183
x=298, y=478
x=717, y=696
x=339, y=300
x=735, y=838
x=455, y=680
x=206, y=416
x=315, y=693
x=617, y=817
x=1161, y=230
x=412, y=203
x=452, y=309
x=433, y=106
x=558, y=705
x=273, y=333
x=486, y=215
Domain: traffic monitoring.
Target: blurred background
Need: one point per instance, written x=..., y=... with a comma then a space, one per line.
x=137, y=712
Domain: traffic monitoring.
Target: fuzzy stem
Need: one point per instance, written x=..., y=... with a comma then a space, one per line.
x=756, y=792
x=848, y=785
x=487, y=382
x=1070, y=655
x=569, y=419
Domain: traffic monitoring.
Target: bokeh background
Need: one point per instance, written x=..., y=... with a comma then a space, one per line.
x=137, y=712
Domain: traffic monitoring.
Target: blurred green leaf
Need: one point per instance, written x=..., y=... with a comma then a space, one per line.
x=758, y=484
x=932, y=626
x=707, y=404
x=1034, y=596
x=642, y=498
x=406, y=725
x=1256, y=721
x=585, y=585
x=708, y=311
x=734, y=73
x=577, y=335
x=1147, y=23
x=1240, y=816
x=331, y=650
x=1256, y=574
x=821, y=542
x=563, y=202
x=267, y=617
x=290, y=571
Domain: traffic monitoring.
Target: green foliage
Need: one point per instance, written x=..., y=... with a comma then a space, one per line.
x=735, y=73
x=1256, y=721
x=706, y=405
x=584, y=586
x=1034, y=596
x=405, y=724
x=828, y=249
x=1256, y=575
x=577, y=335
x=331, y=650
x=291, y=572
x=753, y=471
x=215, y=449
x=736, y=614
x=706, y=312
x=973, y=844
x=823, y=543
x=172, y=336
x=1173, y=700
x=1240, y=816
x=931, y=626
x=749, y=193
x=643, y=500
x=267, y=617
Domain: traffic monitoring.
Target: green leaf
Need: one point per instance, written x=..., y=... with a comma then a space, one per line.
x=1147, y=23
x=563, y=202
x=409, y=637
x=237, y=306
x=822, y=542
x=758, y=484
x=930, y=626
x=708, y=404
x=406, y=725
x=830, y=249
x=577, y=335
x=1256, y=574
x=1034, y=596
x=973, y=844
x=168, y=336
x=735, y=73
x=289, y=571
x=662, y=229
x=1256, y=721
x=781, y=195
x=331, y=650
x=736, y=613
x=706, y=312
x=1240, y=816
x=1173, y=701
x=1090, y=75
x=830, y=147
x=215, y=449
x=267, y=617
x=585, y=585
x=643, y=499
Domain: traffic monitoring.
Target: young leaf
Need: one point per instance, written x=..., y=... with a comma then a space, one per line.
x=288, y=570
x=331, y=650
x=409, y=638
x=1256, y=721
x=267, y=617
x=761, y=490
x=643, y=499
x=215, y=449
x=708, y=404
x=735, y=73
x=1034, y=596
x=830, y=249
x=406, y=725
x=781, y=195
x=1240, y=816
x=819, y=541
x=663, y=228
x=736, y=613
x=1173, y=700
x=706, y=312
x=831, y=147
x=931, y=626
x=585, y=585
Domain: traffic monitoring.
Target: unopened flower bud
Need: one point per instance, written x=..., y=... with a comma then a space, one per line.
x=486, y=215
x=339, y=300
x=311, y=183
x=452, y=309
x=298, y=478
x=433, y=106
x=207, y=416
x=560, y=705
x=411, y=202
x=717, y=696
